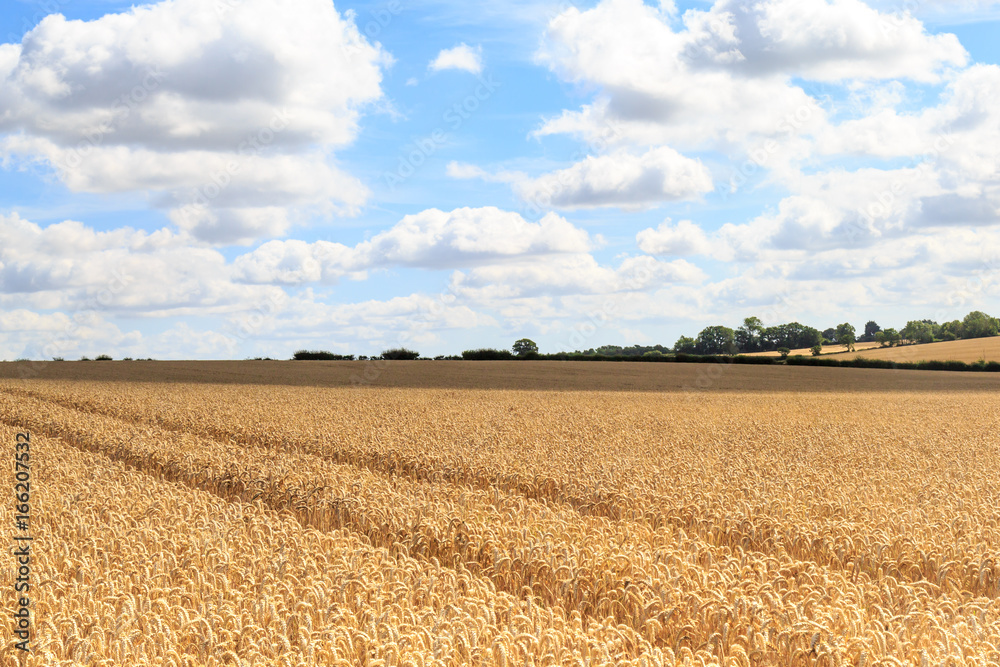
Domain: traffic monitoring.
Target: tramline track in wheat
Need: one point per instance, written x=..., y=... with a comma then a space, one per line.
x=828, y=536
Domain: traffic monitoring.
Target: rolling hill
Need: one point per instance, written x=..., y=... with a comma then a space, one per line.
x=957, y=350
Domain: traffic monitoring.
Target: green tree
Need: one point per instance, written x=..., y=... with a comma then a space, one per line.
x=892, y=337
x=784, y=352
x=685, y=345
x=880, y=338
x=400, y=354
x=871, y=328
x=524, y=347
x=935, y=328
x=830, y=335
x=748, y=335
x=918, y=332
x=846, y=336
x=951, y=330
x=978, y=324
x=792, y=335
x=817, y=350
x=716, y=340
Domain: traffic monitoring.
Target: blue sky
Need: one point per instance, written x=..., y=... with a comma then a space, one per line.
x=234, y=178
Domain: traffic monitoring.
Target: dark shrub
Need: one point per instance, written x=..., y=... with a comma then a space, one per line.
x=400, y=354
x=321, y=355
x=487, y=354
x=763, y=361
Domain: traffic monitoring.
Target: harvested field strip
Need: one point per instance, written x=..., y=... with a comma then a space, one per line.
x=123, y=586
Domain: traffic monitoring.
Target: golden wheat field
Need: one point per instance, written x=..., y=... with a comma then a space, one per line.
x=827, y=349
x=969, y=351
x=477, y=514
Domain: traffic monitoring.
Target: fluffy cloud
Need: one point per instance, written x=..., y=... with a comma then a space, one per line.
x=830, y=210
x=376, y=320
x=726, y=77
x=296, y=262
x=959, y=139
x=26, y=320
x=933, y=8
x=570, y=275
x=232, y=110
x=833, y=252
x=69, y=266
x=437, y=238
x=729, y=79
x=820, y=40
x=26, y=335
x=432, y=239
x=464, y=171
x=621, y=179
x=684, y=238
x=461, y=57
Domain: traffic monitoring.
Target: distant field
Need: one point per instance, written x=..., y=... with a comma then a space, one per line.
x=956, y=350
x=827, y=349
x=519, y=375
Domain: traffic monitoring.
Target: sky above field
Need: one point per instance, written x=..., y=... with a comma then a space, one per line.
x=239, y=178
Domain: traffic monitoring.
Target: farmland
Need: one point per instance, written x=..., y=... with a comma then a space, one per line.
x=508, y=514
x=827, y=349
x=969, y=351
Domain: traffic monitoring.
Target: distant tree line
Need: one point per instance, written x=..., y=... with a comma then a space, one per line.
x=322, y=355
x=718, y=340
x=752, y=336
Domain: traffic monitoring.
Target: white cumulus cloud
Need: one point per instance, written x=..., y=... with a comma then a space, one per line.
x=461, y=57
x=621, y=179
x=728, y=74
x=235, y=109
x=684, y=238
x=431, y=239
